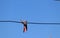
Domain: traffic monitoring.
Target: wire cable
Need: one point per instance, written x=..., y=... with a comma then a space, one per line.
x=41, y=23
x=27, y=22
x=11, y=21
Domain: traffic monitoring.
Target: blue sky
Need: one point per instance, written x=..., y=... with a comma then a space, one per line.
x=30, y=10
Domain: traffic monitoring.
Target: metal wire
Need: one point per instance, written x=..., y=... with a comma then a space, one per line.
x=11, y=21
x=27, y=22
x=41, y=23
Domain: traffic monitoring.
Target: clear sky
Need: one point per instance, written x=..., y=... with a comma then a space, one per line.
x=30, y=10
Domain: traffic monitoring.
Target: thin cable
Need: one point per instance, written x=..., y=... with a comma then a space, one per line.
x=41, y=23
x=27, y=22
x=11, y=21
